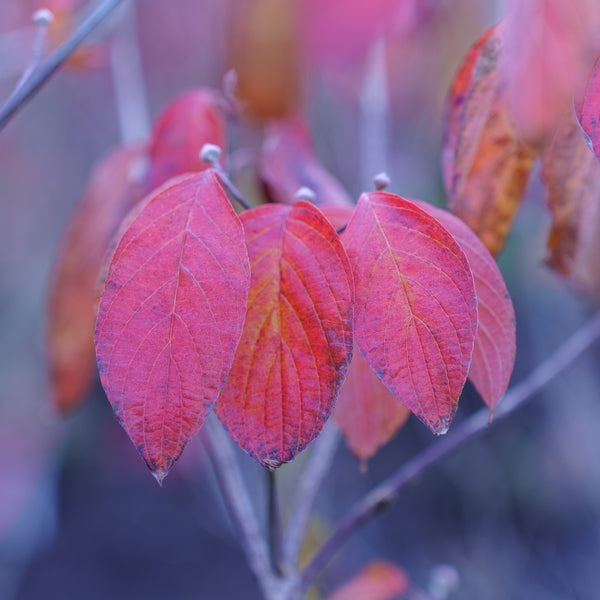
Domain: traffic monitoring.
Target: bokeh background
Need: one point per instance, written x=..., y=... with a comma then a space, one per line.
x=516, y=514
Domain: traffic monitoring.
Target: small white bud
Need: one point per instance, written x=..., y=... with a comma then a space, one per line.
x=381, y=181
x=43, y=17
x=444, y=580
x=305, y=193
x=210, y=153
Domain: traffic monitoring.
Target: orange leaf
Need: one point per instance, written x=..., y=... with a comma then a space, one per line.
x=379, y=580
x=297, y=340
x=486, y=167
x=111, y=192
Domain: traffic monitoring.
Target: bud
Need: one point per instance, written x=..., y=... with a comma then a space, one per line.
x=381, y=181
x=210, y=153
x=43, y=17
x=305, y=193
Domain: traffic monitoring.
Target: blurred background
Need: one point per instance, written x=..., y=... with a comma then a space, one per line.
x=516, y=514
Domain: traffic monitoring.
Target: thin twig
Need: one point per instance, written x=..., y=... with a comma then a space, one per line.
x=231, y=186
x=386, y=492
x=318, y=465
x=130, y=89
x=274, y=526
x=239, y=506
x=54, y=61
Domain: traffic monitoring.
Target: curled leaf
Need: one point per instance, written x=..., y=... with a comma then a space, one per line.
x=297, y=340
x=415, y=308
x=571, y=173
x=587, y=109
x=112, y=191
x=486, y=166
x=171, y=315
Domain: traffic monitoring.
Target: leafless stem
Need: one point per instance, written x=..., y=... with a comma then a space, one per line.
x=54, y=61
x=130, y=90
x=239, y=505
x=231, y=186
x=318, y=465
x=386, y=492
x=274, y=526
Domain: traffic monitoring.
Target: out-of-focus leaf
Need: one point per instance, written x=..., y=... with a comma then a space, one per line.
x=415, y=309
x=265, y=55
x=337, y=214
x=571, y=173
x=288, y=162
x=367, y=413
x=486, y=167
x=494, y=348
x=379, y=580
x=171, y=315
x=587, y=109
x=550, y=48
x=112, y=191
x=297, y=340
x=188, y=122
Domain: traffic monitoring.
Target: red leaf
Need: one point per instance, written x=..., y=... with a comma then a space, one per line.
x=297, y=340
x=494, y=348
x=189, y=121
x=587, y=109
x=288, y=162
x=486, y=166
x=415, y=309
x=367, y=413
x=337, y=214
x=171, y=315
x=111, y=192
x=380, y=580
x=550, y=47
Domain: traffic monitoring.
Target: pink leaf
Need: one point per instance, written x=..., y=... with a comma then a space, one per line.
x=415, y=309
x=297, y=340
x=171, y=315
x=494, y=348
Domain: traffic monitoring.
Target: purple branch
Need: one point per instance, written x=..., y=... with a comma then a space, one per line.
x=387, y=491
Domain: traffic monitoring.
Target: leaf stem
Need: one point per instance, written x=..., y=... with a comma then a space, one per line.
x=318, y=465
x=239, y=505
x=237, y=195
x=274, y=526
x=49, y=66
x=387, y=491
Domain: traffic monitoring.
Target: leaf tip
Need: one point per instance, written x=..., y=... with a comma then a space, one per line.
x=159, y=474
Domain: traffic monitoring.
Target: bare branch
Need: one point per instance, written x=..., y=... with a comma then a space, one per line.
x=387, y=491
x=318, y=465
x=54, y=61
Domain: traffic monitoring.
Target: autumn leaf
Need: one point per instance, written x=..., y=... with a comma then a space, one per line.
x=265, y=53
x=113, y=189
x=494, y=348
x=587, y=109
x=379, y=580
x=571, y=173
x=171, y=315
x=367, y=413
x=188, y=122
x=550, y=48
x=288, y=162
x=486, y=166
x=297, y=340
x=415, y=309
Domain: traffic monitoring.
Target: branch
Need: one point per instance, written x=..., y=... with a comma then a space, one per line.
x=318, y=465
x=274, y=526
x=239, y=505
x=386, y=492
x=54, y=61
